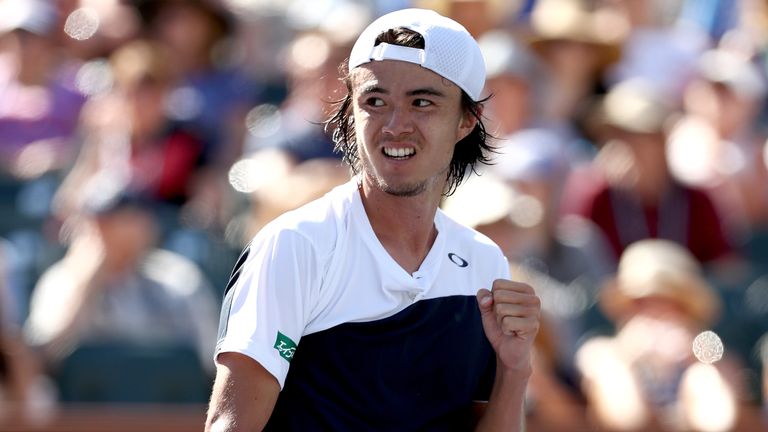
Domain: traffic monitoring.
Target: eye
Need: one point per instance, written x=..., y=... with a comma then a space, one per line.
x=422, y=102
x=374, y=102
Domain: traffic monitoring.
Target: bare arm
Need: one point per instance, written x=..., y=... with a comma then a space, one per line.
x=244, y=395
x=504, y=410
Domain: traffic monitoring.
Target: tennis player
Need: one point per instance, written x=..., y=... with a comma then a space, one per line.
x=370, y=309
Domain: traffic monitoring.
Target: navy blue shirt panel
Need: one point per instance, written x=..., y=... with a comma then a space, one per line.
x=417, y=370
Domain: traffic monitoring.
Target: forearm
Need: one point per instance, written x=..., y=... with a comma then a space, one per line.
x=505, y=409
x=65, y=327
x=244, y=395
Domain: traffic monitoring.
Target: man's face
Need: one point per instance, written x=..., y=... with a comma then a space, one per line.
x=407, y=121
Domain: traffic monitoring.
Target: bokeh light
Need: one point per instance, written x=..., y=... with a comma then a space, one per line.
x=263, y=120
x=527, y=211
x=82, y=23
x=707, y=394
x=249, y=174
x=707, y=347
x=94, y=78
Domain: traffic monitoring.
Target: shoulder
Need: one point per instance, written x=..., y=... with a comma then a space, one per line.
x=466, y=234
x=470, y=242
x=316, y=224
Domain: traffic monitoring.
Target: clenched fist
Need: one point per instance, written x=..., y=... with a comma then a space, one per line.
x=510, y=313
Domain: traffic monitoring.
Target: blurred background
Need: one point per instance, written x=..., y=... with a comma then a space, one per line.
x=144, y=142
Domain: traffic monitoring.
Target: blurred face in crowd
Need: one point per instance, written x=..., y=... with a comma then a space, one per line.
x=188, y=30
x=568, y=57
x=127, y=234
x=723, y=108
x=34, y=53
x=477, y=16
x=647, y=171
x=510, y=107
x=147, y=106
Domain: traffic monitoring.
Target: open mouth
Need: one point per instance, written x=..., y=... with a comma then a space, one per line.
x=399, y=153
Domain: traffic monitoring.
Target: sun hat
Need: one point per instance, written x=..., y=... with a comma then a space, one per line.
x=481, y=200
x=577, y=20
x=34, y=16
x=657, y=268
x=533, y=154
x=581, y=21
x=635, y=105
x=736, y=72
x=506, y=55
x=449, y=49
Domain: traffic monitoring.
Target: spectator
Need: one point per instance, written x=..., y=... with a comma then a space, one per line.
x=577, y=40
x=114, y=286
x=210, y=92
x=313, y=84
x=516, y=80
x=638, y=197
x=210, y=95
x=646, y=376
x=39, y=103
x=717, y=144
x=129, y=139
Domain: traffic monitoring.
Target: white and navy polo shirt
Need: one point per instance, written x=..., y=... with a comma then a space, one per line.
x=355, y=341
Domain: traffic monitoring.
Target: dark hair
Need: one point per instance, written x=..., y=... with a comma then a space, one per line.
x=468, y=152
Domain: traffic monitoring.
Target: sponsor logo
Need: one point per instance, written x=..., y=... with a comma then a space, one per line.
x=459, y=261
x=285, y=346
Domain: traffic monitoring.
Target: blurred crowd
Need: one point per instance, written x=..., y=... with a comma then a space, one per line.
x=144, y=142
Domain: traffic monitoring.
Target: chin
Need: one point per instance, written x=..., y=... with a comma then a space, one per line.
x=402, y=190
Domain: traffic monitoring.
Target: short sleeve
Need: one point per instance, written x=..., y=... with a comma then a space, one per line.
x=268, y=299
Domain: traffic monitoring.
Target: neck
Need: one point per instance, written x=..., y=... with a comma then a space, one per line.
x=404, y=225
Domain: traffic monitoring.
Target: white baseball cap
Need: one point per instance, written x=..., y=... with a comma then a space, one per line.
x=449, y=49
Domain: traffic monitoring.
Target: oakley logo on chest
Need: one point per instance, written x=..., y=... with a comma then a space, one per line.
x=459, y=261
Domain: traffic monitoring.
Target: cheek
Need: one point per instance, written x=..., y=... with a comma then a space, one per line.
x=362, y=120
x=362, y=131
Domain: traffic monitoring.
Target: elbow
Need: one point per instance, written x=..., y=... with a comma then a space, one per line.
x=220, y=423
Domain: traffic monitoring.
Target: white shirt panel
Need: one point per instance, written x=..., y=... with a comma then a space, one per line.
x=322, y=265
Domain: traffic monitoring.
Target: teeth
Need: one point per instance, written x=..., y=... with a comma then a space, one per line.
x=399, y=152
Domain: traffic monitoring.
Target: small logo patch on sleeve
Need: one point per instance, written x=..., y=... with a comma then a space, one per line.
x=285, y=346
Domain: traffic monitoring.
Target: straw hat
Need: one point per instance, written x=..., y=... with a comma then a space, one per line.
x=634, y=105
x=578, y=21
x=656, y=268
x=736, y=72
x=481, y=199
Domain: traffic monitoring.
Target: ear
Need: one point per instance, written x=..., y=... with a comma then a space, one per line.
x=468, y=122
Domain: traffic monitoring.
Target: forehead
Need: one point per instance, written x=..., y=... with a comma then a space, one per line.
x=398, y=76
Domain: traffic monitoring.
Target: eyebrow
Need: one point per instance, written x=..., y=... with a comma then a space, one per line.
x=428, y=91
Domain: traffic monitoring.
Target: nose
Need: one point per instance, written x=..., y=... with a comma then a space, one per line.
x=398, y=123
